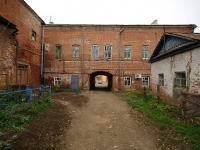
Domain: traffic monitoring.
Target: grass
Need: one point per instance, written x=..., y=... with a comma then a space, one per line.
x=167, y=116
x=15, y=116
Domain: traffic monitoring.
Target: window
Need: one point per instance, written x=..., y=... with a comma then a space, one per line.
x=108, y=52
x=127, y=81
x=95, y=51
x=180, y=79
x=127, y=52
x=57, y=81
x=58, y=52
x=75, y=51
x=161, y=79
x=33, y=35
x=145, y=81
x=145, y=52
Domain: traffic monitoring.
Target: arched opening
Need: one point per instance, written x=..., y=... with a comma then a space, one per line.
x=100, y=80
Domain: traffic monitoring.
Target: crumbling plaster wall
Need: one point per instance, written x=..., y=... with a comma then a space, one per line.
x=187, y=62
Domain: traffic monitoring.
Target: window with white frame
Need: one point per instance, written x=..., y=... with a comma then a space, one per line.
x=127, y=81
x=57, y=81
x=145, y=81
x=127, y=52
x=180, y=79
x=145, y=52
x=95, y=52
x=58, y=51
x=108, y=52
x=75, y=51
x=161, y=79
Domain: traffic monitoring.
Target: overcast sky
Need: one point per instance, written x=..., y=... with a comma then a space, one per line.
x=118, y=11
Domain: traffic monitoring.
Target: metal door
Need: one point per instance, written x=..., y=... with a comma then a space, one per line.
x=75, y=82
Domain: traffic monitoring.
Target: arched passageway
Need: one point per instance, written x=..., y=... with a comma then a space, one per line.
x=100, y=80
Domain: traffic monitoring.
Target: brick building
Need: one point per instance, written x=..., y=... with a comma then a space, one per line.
x=26, y=48
x=76, y=54
x=7, y=49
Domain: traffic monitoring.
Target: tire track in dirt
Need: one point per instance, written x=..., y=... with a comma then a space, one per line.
x=106, y=123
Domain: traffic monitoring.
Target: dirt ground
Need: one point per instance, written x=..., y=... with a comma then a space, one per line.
x=95, y=120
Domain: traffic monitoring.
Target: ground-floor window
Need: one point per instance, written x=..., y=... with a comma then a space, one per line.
x=161, y=79
x=180, y=79
x=127, y=81
x=145, y=81
x=57, y=81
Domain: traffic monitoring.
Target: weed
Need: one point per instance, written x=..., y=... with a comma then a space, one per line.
x=17, y=115
x=167, y=116
x=5, y=144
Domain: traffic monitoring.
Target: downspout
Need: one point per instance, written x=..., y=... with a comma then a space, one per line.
x=42, y=56
x=119, y=52
x=82, y=59
x=17, y=47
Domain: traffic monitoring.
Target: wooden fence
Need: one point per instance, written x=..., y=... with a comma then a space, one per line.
x=190, y=104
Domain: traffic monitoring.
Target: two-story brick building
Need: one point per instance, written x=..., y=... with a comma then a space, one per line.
x=76, y=54
x=25, y=57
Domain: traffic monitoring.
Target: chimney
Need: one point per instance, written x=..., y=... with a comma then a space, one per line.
x=155, y=22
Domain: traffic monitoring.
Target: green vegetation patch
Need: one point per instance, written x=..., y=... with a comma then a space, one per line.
x=167, y=116
x=15, y=116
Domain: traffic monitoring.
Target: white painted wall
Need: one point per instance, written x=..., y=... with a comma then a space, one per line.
x=188, y=62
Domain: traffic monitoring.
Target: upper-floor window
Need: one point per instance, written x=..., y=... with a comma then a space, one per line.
x=108, y=52
x=57, y=81
x=33, y=36
x=127, y=52
x=161, y=79
x=127, y=81
x=58, y=51
x=95, y=52
x=145, y=52
x=180, y=79
x=75, y=51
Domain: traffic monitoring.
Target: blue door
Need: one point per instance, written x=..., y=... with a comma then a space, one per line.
x=75, y=82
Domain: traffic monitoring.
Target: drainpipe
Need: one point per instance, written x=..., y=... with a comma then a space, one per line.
x=42, y=54
x=17, y=47
x=82, y=58
x=119, y=52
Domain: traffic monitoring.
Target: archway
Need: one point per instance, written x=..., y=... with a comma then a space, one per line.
x=100, y=80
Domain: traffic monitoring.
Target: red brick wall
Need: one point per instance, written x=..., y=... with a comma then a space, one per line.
x=7, y=49
x=68, y=35
x=19, y=13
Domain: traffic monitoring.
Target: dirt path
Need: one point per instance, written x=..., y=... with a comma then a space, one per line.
x=105, y=123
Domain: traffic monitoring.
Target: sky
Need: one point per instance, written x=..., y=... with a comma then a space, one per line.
x=123, y=12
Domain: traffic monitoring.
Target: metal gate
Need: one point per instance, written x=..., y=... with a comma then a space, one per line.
x=75, y=82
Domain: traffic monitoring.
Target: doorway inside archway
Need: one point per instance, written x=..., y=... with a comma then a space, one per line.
x=100, y=81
